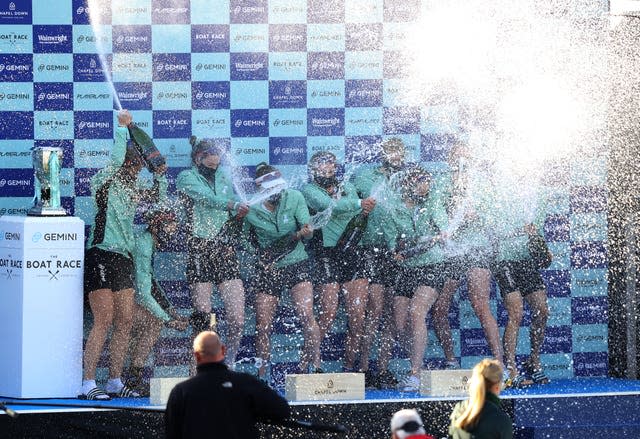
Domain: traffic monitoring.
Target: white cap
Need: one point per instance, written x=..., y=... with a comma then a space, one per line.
x=399, y=423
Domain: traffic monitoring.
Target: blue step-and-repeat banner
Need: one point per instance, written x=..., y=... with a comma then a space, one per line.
x=281, y=79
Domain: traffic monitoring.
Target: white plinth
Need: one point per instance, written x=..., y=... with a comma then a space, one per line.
x=324, y=386
x=445, y=382
x=160, y=388
x=41, y=301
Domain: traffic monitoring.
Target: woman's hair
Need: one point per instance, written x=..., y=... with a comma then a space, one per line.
x=321, y=157
x=485, y=374
x=263, y=168
x=199, y=147
x=404, y=182
x=392, y=144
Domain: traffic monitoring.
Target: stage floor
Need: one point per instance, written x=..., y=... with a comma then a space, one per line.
x=562, y=388
x=565, y=408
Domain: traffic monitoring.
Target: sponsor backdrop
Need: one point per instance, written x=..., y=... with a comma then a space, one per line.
x=280, y=80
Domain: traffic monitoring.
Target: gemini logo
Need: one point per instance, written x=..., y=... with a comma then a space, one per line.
x=250, y=123
x=15, y=67
x=249, y=10
x=172, y=95
x=172, y=67
x=201, y=66
x=53, y=96
x=211, y=95
x=60, y=236
x=9, y=236
x=4, y=182
x=288, y=122
x=92, y=124
x=14, y=96
x=288, y=150
x=84, y=153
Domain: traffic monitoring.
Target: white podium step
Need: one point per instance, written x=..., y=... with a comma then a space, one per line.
x=324, y=386
x=445, y=382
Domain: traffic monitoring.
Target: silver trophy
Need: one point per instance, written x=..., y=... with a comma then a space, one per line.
x=46, y=165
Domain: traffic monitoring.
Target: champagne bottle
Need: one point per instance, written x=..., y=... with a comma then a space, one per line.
x=229, y=233
x=146, y=147
x=353, y=233
x=410, y=248
x=278, y=249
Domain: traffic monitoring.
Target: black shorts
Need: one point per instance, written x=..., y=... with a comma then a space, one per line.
x=456, y=268
x=332, y=266
x=273, y=281
x=106, y=269
x=522, y=276
x=210, y=262
x=379, y=267
x=411, y=278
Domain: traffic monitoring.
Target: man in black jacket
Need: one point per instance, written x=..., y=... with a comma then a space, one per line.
x=218, y=402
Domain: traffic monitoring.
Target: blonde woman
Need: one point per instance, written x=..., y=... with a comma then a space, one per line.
x=482, y=415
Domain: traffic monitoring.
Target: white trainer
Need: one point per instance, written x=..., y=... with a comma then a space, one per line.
x=410, y=383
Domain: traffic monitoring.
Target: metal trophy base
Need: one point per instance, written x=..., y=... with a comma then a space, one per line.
x=46, y=211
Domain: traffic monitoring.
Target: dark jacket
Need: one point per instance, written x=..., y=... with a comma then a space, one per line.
x=220, y=403
x=493, y=422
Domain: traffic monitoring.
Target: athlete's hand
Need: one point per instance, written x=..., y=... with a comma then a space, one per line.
x=470, y=214
x=397, y=257
x=179, y=324
x=306, y=231
x=368, y=204
x=124, y=118
x=160, y=170
x=242, y=210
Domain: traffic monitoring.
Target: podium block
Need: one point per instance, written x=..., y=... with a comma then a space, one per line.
x=41, y=303
x=160, y=388
x=324, y=386
x=445, y=382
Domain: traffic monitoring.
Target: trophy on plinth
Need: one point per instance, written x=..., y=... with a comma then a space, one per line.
x=47, y=162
